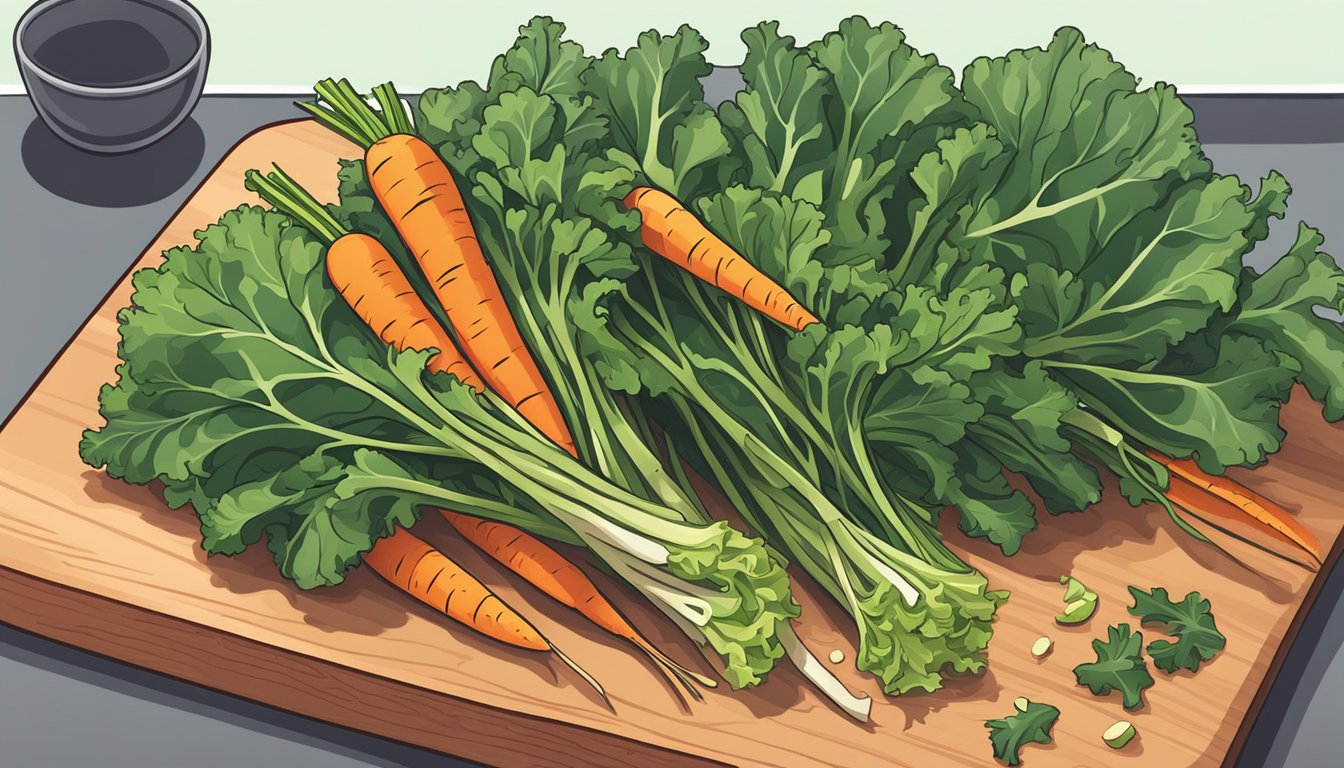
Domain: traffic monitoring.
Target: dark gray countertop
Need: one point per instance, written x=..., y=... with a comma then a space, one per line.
x=73, y=222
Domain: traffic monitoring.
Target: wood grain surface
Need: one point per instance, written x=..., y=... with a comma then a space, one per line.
x=106, y=566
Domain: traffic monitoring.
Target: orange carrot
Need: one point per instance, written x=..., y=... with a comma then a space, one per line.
x=550, y=572
x=1270, y=516
x=674, y=233
x=428, y=575
x=1217, y=513
x=375, y=287
x=419, y=194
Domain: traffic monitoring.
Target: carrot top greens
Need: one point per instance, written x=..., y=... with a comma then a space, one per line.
x=339, y=107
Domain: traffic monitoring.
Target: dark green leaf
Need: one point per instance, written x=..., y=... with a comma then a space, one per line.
x=1087, y=150
x=1224, y=413
x=1120, y=666
x=1010, y=734
x=654, y=106
x=542, y=61
x=1284, y=308
x=1189, y=621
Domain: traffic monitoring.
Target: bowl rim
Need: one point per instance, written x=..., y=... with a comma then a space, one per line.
x=187, y=10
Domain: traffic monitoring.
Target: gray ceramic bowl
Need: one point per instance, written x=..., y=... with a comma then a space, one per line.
x=112, y=75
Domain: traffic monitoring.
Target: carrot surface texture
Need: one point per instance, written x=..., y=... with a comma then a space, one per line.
x=369, y=280
x=674, y=233
x=395, y=311
x=419, y=194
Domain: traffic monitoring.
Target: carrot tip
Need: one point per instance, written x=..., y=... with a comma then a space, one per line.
x=1266, y=514
x=582, y=673
x=676, y=672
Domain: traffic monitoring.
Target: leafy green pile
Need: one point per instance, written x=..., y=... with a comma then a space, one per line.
x=1005, y=282
x=546, y=187
x=783, y=425
x=1093, y=258
x=1124, y=252
x=254, y=393
x=1036, y=271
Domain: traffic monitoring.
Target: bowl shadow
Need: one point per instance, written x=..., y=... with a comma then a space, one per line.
x=124, y=180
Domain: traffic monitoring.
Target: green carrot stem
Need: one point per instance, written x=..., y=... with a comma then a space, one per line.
x=285, y=195
x=340, y=107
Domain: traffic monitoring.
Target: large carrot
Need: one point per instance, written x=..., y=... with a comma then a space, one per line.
x=674, y=233
x=391, y=307
x=429, y=576
x=550, y=572
x=1257, y=508
x=370, y=281
x=419, y=194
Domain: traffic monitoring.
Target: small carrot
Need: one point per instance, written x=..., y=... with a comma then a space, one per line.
x=419, y=194
x=550, y=572
x=367, y=276
x=1216, y=513
x=1266, y=513
x=428, y=575
x=675, y=234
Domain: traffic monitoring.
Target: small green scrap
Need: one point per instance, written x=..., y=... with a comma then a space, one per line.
x=1030, y=723
x=1120, y=666
x=1119, y=734
x=1189, y=621
x=1079, y=602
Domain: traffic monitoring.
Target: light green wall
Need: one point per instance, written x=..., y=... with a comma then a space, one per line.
x=419, y=43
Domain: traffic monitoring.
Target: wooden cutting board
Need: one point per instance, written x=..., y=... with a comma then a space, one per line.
x=107, y=567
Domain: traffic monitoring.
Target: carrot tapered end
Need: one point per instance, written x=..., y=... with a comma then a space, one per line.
x=1224, y=495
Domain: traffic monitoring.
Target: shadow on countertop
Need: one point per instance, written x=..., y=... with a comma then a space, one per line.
x=113, y=181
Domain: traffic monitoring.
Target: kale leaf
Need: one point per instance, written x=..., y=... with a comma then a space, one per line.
x=1189, y=621
x=1120, y=666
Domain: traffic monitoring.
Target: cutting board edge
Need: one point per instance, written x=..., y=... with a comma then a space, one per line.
x=1290, y=637
x=173, y=647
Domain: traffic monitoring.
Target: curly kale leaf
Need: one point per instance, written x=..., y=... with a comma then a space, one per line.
x=1189, y=621
x=1120, y=666
x=1029, y=725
